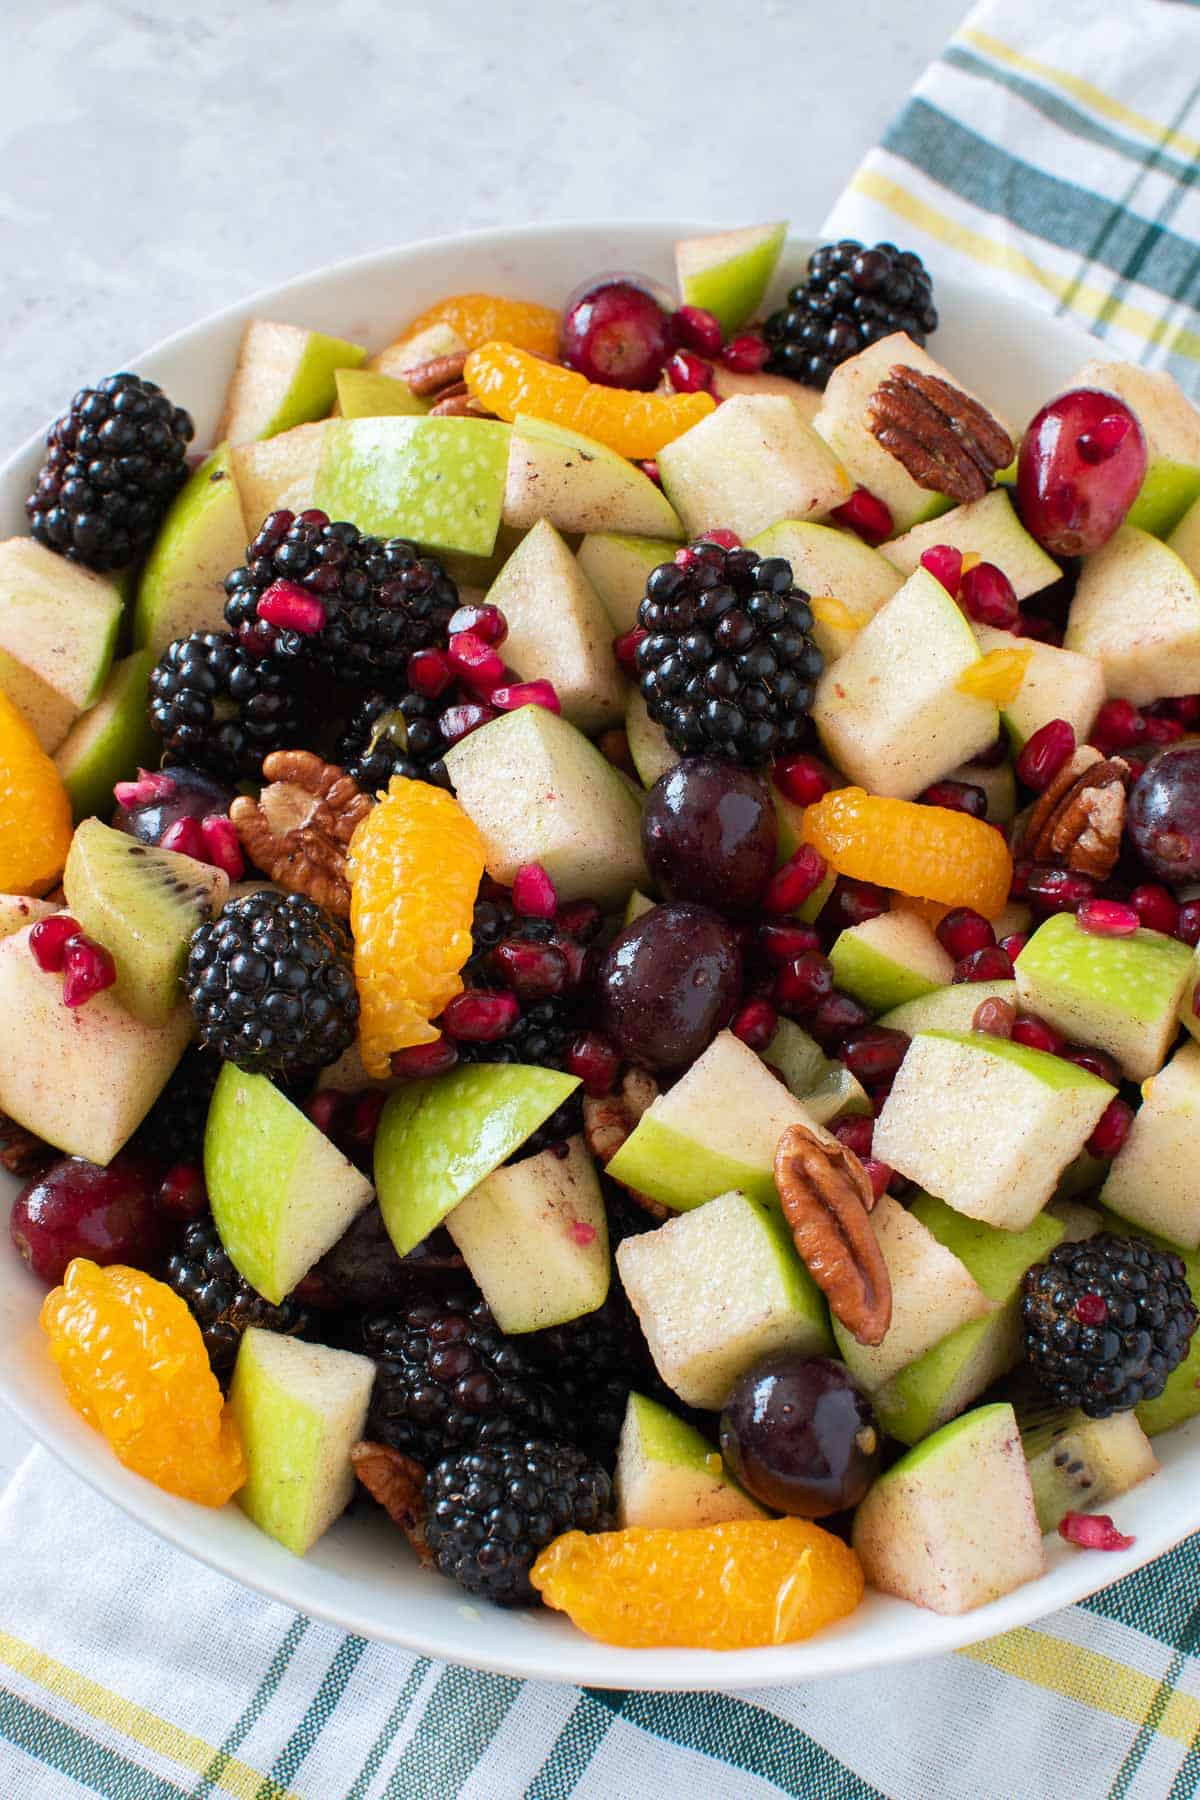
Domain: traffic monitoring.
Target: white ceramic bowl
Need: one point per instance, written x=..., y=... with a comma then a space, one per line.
x=361, y=1576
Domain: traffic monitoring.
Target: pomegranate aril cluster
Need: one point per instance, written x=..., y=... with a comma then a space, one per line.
x=983, y=591
x=60, y=947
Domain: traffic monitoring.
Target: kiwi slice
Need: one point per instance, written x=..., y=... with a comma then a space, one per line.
x=1077, y=1463
x=143, y=905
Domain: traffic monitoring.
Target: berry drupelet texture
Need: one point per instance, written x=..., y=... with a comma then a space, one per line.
x=394, y=735
x=218, y=708
x=852, y=296
x=222, y=1304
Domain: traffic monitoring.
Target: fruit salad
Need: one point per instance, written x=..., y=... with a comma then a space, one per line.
x=598, y=938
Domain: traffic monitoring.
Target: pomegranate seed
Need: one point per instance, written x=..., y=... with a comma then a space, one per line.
x=478, y=1016
x=945, y=563
x=1163, y=731
x=696, y=329
x=1041, y=631
x=580, y=919
x=483, y=621
x=1058, y=890
x=988, y=597
x=625, y=650
x=1094, y=1061
x=1107, y=918
x=803, y=983
x=835, y=1019
x=48, y=941
x=184, y=837
x=1013, y=945
x=364, y=1124
x=1156, y=907
x=222, y=846
x=866, y=516
x=962, y=932
x=791, y=885
x=475, y=661
x=575, y=957
x=1045, y=753
x=723, y=539
x=596, y=1061
x=746, y=354
x=1188, y=928
x=956, y=796
x=689, y=373
x=1112, y=1129
x=526, y=693
x=1023, y=868
x=650, y=468
x=755, y=1024
x=802, y=779
x=1092, y=1531
x=324, y=1109
x=858, y=1134
x=783, y=943
x=533, y=894
x=291, y=608
x=430, y=672
x=995, y=1018
x=1185, y=708
x=422, y=1061
x=1035, y=1034
x=532, y=971
x=879, y=1174
x=181, y=1192
x=151, y=785
x=1119, y=725
x=1091, y=1309
x=875, y=1054
x=87, y=970
x=984, y=965
x=853, y=903
x=458, y=722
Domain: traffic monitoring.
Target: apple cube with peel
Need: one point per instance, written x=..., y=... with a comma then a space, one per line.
x=538, y=791
x=414, y=348
x=19, y=910
x=1154, y=1179
x=717, y=1289
x=668, y=1477
x=953, y=1524
x=559, y=630
x=887, y=961
x=1171, y=424
x=83, y=1078
x=300, y=1409
x=890, y=711
x=986, y=1124
x=1058, y=684
x=988, y=529
x=649, y=746
x=58, y=620
x=836, y=566
x=182, y=585
x=949, y=1009
x=718, y=1128
x=728, y=272
x=752, y=462
x=933, y=1293
x=1185, y=539
x=366, y=394
x=797, y=1056
x=278, y=474
x=284, y=377
x=1180, y=1399
x=534, y=1235
x=1121, y=995
x=579, y=484
x=437, y=481
x=618, y=567
x=281, y=1192
x=998, y=786
x=1137, y=611
x=110, y=738
x=49, y=715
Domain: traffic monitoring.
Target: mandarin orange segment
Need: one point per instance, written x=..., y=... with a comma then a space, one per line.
x=717, y=1587
x=997, y=677
x=134, y=1364
x=415, y=865
x=481, y=318
x=35, y=812
x=926, y=851
x=509, y=382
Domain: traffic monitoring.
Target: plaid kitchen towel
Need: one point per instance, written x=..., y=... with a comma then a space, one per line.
x=1056, y=151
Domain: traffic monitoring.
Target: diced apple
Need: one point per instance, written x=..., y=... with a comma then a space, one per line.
x=728, y=382
x=1058, y=684
x=109, y=739
x=988, y=529
x=1137, y=611
x=649, y=746
x=365, y=394
x=1155, y=1177
x=668, y=1477
x=888, y=961
x=619, y=567
x=438, y=481
x=47, y=712
x=998, y=785
x=58, y=620
x=832, y=565
x=837, y=1095
x=950, y=1009
x=1180, y=1399
x=1185, y=539
x=284, y=377
x=747, y=465
x=798, y=1057
x=19, y=910
x=278, y=474
x=202, y=538
x=580, y=485
x=728, y=272
x=409, y=352
x=1171, y=424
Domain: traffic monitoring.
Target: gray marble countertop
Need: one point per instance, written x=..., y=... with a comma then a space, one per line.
x=158, y=161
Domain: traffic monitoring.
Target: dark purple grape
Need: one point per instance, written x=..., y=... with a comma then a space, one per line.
x=708, y=832
x=668, y=983
x=800, y=1435
x=148, y=807
x=1164, y=814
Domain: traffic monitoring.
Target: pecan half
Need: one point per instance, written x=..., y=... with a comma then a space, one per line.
x=299, y=828
x=826, y=1197
x=607, y=1122
x=439, y=373
x=21, y=1153
x=459, y=405
x=398, y=1483
x=1078, y=820
x=946, y=440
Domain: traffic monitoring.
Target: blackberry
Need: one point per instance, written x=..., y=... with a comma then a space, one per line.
x=271, y=983
x=222, y=1304
x=853, y=296
x=114, y=463
x=594, y=1363
x=446, y=1378
x=173, y=1129
x=394, y=736
x=1105, y=1322
x=382, y=600
x=727, y=666
x=493, y=1508
x=547, y=1022
x=218, y=708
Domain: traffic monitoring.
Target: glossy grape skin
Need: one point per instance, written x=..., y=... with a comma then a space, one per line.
x=191, y=795
x=1081, y=464
x=668, y=983
x=77, y=1208
x=799, y=1435
x=616, y=333
x=709, y=833
x=1163, y=819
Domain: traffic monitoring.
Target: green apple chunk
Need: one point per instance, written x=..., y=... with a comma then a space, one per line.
x=1058, y=684
x=365, y=394
x=890, y=711
x=1185, y=539
x=717, y=1289
x=83, y=1078
x=18, y=910
x=281, y=1192
x=300, y=1409
x=986, y=1124
x=649, y=746
x=832, y=565
x=1076, y=1462
x=1148, y=646
x=1121, y=995
x=728, y=382
x=109, y=739
x=933, y=1293
x=46, y=711
x=1171, y=424
x=538, y=791
x=437, y=481
x=284, y=377
x=203, y=537
x=989, y=529
x=1180, y=1399
x=438, y=1140
x=580, y=485
x=887, y=961
x=752, y=462
x=558, y=629
x=278, y=474
x=410, y=351
x=58, y=620
x=716, y=1129
x=950, y=1009
x=534, y=1236
x=837, y=1095
x=1155, y=1178
x=619, y=567
x=637, y=905
x=797, y=1056
x=728, y=272
x=668, y=1477
x=953, y=1524
x=999, y=788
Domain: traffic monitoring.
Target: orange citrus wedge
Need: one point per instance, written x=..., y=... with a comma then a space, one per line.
x=508, y=381
x=926, y=851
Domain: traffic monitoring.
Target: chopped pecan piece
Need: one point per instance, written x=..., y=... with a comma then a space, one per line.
x=21, y=1153
x=946, y=440
x=1079, y=818
x=826, y=1197
x=608, y=1122
x=299, y=828
x=398, y=1483
x=459, y=404
x=439, y=373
